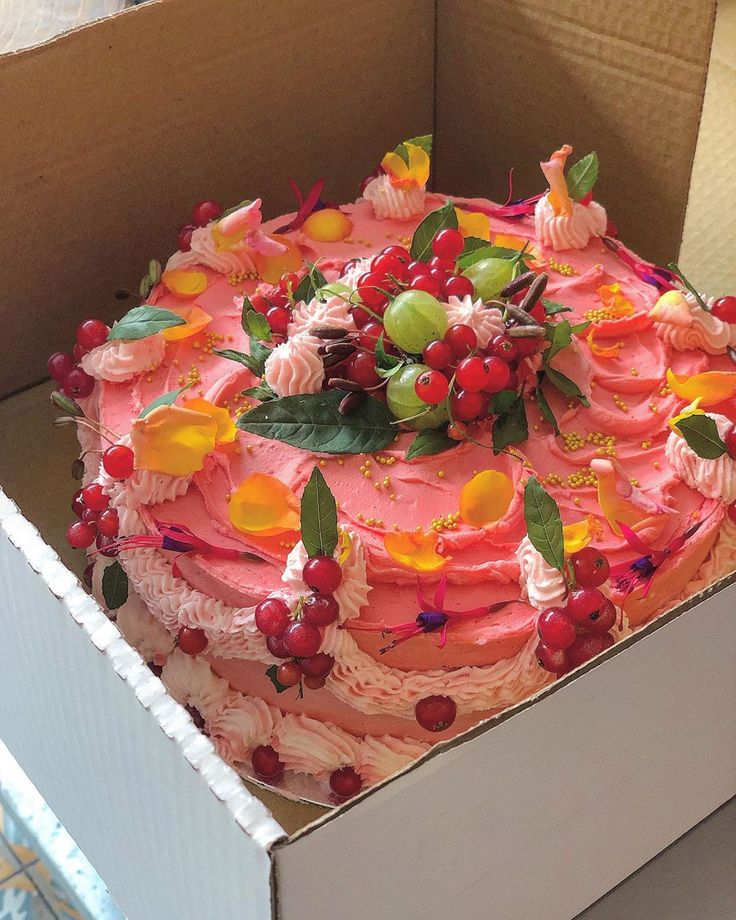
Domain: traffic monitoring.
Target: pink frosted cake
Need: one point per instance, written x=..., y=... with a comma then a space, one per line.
x=359, y=477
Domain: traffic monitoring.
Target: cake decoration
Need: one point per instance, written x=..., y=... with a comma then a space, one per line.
x=358, y=477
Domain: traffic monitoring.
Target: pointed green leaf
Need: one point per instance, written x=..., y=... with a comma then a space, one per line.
x=566, y=386
x=114, y=586
x=255, y=361
x=552, y=307
x=318, y=517
x=475, y=254
x=254, y=323
x=701, y=434
x=66, y=404
x=544, y=406
x=262, y=392
x=383, y=359
x=543, y=523
x=310, y=284
x=430, y=441
x=511, y=427
x=582, y=176
x=167, y=399
x=140, y=322
x=421, y=244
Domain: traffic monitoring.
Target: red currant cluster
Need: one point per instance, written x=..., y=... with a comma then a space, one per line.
x=64, y=368
x=97, y=522
x=573, y=634
x=203, y=213
x=276, y=304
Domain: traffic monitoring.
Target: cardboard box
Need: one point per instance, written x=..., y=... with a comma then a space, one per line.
x=110, y=133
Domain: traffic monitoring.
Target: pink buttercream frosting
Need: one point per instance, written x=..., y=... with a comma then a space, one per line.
x=390, y=202
x=295, y=366
x=486, y=322
x=568, y=231
x=118, y=361
x=332, y=311
x=541, y=584
x=685, y=326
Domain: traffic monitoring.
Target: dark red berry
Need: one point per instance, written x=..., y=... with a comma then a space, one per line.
x=435, y=713
x=440, y=275
x=314, y=683
x=458, y=286
x=204, y=212
x=417, y=268
x=467, y=406
x=278, y=320
x=260, y=303
x=389, y=264
x=318, y=665
x=360, y=317
x=590, y=566
x=730, y=441
x=272, y=616
x=370, y=334
x=191, y=641
x=401, y=253
x=586, y=647
x=471, y=374
x=504, y=347
x=438, y=355
x=288, y=283
x=106, y=545
x=79, y=351
x=265, y=762
x=525, y=348
x=725, y=309
x=108, y=522
x=289, y=674
x=556, y=629
x=323, y=574
x=320, y=609
x=78, y=505
x=603, y=621
x=584, y=604
x=302, y=639
x=95, y=497
x=498, y=375
x=461, y=339
x=345, y=782
x=118, y=461
x=92, y=333
x=371, y=287
x=88, y=574
x=432, y=387
x=184, y=237
x=276, y=646
x=78, y=383
x=363, y=370
x=90, y=517
x=80, y=535
x=448, y=244
x=555, y=661
x=425, y=283
x=58, y=365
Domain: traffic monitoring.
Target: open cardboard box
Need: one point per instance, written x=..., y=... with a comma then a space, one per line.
x=110, y=133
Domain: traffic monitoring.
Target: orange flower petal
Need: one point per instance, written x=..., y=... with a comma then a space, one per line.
x=413, y=175
x=271, y=268
x=578, y=535
x=226, y=430
x=485, y=498
x=415, y=550
x=185, y=283
x=711, y=388
x=173, y=440
x=327, y=226
x=508, y=241
x=470, y=223
x=263, y=506
x=602, y=351
x=614, y=301
x=196, y=321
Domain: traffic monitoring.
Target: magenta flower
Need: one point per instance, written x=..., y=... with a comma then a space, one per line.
x=305, y=204
x=175, y=538
x=661, y=278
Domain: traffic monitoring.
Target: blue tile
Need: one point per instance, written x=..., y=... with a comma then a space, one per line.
x=21, y=900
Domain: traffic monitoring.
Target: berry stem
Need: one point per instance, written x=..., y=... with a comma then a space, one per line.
x=98, y=428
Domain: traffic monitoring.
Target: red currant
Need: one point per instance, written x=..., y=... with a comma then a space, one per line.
x=498, y=374
x=92, y=333
x=525, y=348
x=371, y=287
x=318, y=665
x=265, y=762
x=260, y=303
x=556, y=629
x=555, y=661
x=278, y=319
x=320, y=609
x=731, y=512
x=504, y=347
x=725, y=309
x=446, y=266
x=118, y=461
x=302, y=639
x=448, y=244
x=314, y=683
x=78, y=505
x=604, y=621
x=95, y=497
x=590, y=566
x=467, y=405
x=90, y=517
x=323, y=574
x=345, y=782
x=288, y=283
x=584, y=604
x=439, y=275
x=58, y=365
x=277, y=647
x=432, y=387
x=586, y=647
x=88, y=573
x=272, y=616
x=289, y=674
x=472, y=374
x=80, y=535
x=730, y=441
x=401, y=253
x=106, y=545
x=370, y=334
x=425, y=283
x=191, y=641
x=363, y=370
x=360, y=317
x=458, y=286
x=108, y=522
x=78, y=383
x=461, y=339
x=79, y=351
x=438, y=355
x=417, y=268
x=457, y=431
x=435, y=713
x=184, y=237
x=389, y=264
x=205, y=211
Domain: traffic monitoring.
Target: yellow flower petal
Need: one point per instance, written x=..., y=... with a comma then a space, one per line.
x=394, y=165
x=226, y=241
x=413, y=175
x=602, y=351
x=271, y=268
x=614, y=301
x=616, y=507
x=344, y=546
x=711, y=388
x=196, y=321
x=173, y=440
x=327, y=226
x=226, y=430
x=185, y=283
x=485, y=498
x=673, y=309
x=578, y=535
x=692, y=409
x=418, y=163
x=415, y=550
x=508, y=241
x=263, y=506
x=470, y=223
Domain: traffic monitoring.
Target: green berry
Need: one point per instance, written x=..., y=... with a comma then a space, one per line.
x=414, y=319
x=490, y=276
x=403, y=402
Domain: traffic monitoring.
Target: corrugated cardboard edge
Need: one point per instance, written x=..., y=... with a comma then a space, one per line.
x=248, y=812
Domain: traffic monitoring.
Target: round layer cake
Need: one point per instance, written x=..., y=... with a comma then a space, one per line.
x=352, y=455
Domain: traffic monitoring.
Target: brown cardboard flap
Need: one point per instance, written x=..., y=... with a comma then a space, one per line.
x=112, y=132
x=517, y=79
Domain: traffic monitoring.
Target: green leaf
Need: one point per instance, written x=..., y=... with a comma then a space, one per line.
x=384, y=360
x=140, y=322
x=255, y=361
x=486, y=251
x=310, y=284
x=559, y=335
x=313, y=422
x=544, y=406
x=566, y=386
x=430, y=441
x=701, y=434
x=318, y=517
x=582, y=176
x=423, y=140
x=262, y=392
x=235, y=207
x=551, y=307
x=503, y=401
x=543, y=523
x=421, y=244
x=511, y=427
x=167, y=399
x=271, y=675
x=579, y=327
x=254, y=323
x=114, y=586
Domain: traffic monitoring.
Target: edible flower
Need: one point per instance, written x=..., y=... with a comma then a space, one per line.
x=473, y=224
x=619, y=500
x=185, y=283
x=195, y=320
x=661, y=278
x=602, y=351
x=554, y=172
x=176, y=538
x=672, y=308
x=226, y=430
x=692, y=409
x=327, y=225
x=243, y=226
x=263, y=506
x=485, y=498
x=415, y=550
x=173, y=440
x=614, y=301
x=711, y=388
x=411, y=174
x=578, y=535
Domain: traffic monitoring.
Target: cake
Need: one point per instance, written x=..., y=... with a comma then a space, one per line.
x=359, y=477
